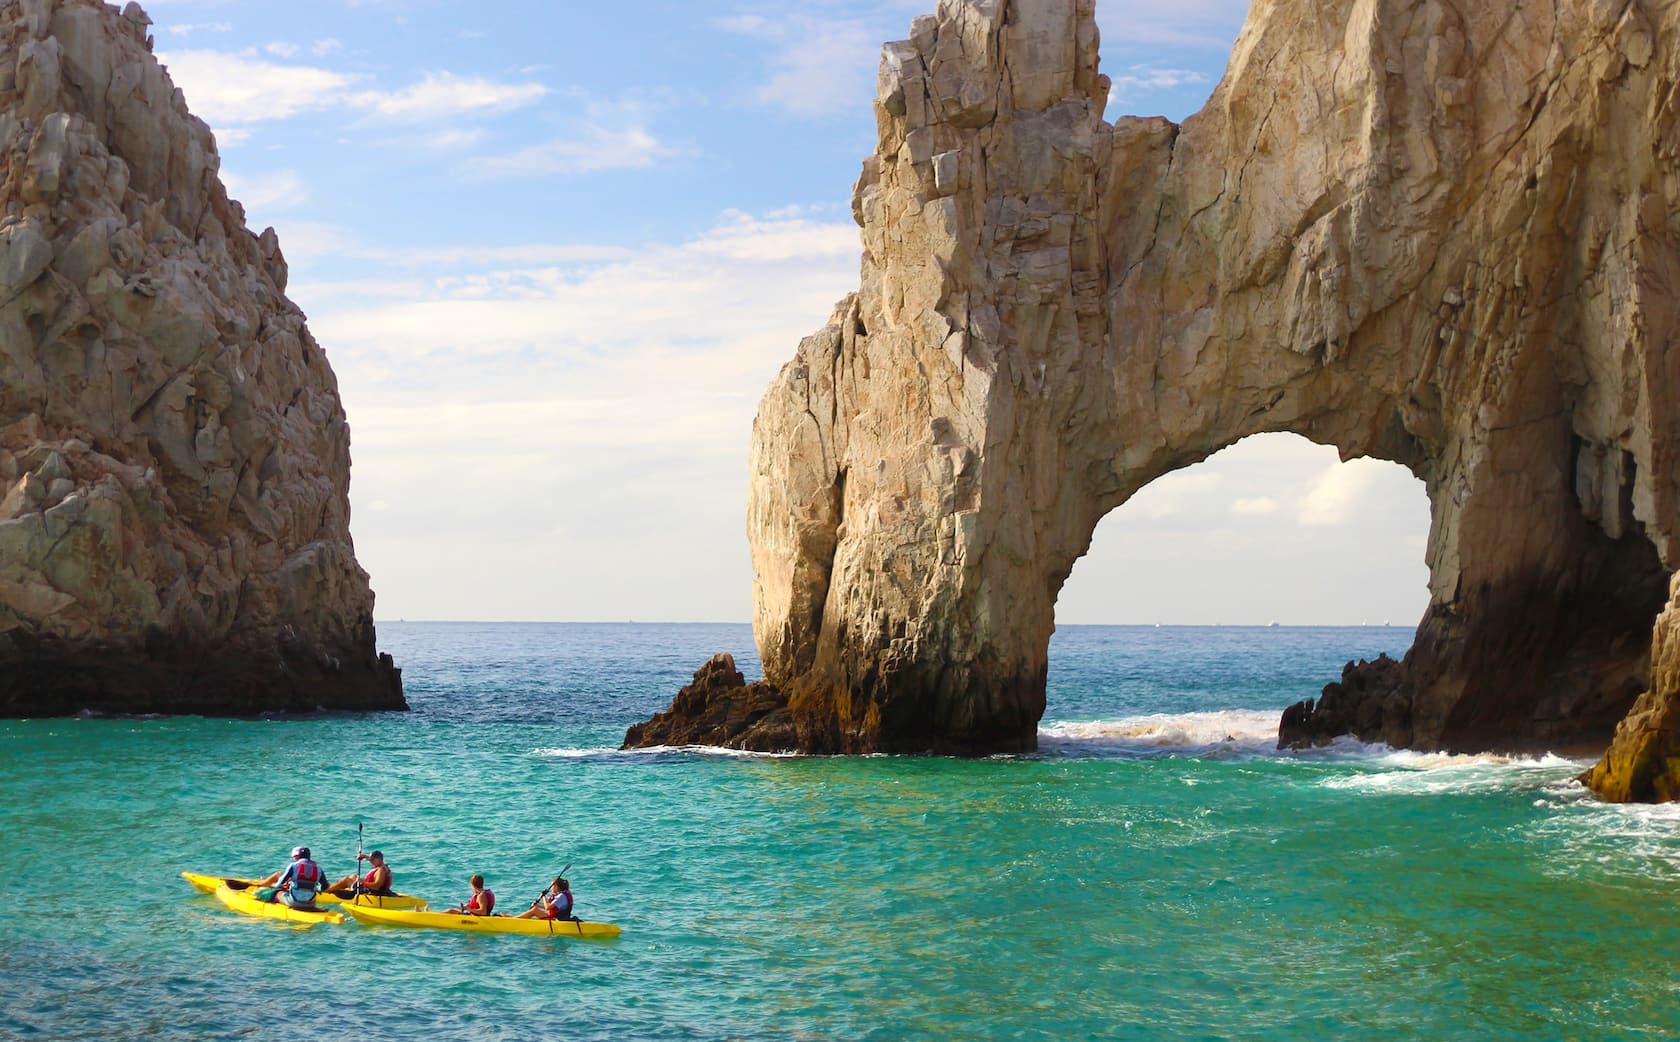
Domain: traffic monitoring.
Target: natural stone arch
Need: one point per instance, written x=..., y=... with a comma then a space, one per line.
x=1444, y=240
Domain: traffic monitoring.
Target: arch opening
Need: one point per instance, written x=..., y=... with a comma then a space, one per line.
x=1225, y=591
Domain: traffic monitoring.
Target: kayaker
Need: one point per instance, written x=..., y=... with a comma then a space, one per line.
x=377, y=881
x=297, y=883
x=482, y=901
x=555, y=902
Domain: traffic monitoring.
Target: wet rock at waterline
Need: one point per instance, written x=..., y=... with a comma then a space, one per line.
x=1447, y=237
x=722, y=710
x=1370, y=703
x=174, y=458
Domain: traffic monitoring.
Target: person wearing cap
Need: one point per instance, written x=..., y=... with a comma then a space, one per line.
x=555, y=902
x=482, y=901
x=377, y=881
x=298, y=882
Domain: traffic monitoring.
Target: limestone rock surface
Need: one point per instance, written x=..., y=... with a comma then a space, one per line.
x=174, y=458
x=1442, y=235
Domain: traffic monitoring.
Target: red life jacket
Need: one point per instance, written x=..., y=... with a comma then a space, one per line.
x=482, y=902
x=368, y=881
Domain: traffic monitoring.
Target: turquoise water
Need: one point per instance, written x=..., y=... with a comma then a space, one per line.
x=1157, y=871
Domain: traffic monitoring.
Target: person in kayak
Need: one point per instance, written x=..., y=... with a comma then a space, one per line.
x=377, y=881
x=298, y=883
x=482, y=901
x=555, y=902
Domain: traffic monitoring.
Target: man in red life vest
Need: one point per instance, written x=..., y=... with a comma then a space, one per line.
x=377, y=881
x=298, y=882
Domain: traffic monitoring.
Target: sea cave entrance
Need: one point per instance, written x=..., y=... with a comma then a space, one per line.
x=1226, y=590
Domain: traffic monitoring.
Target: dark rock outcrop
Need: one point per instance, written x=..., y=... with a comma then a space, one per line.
x=174, y=457
x=722, y=710
x=1370, y=702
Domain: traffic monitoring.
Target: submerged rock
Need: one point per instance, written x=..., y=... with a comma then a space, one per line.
x=1442, y=236
x=174, y=458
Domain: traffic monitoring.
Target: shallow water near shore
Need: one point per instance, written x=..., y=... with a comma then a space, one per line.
x=1156, y=871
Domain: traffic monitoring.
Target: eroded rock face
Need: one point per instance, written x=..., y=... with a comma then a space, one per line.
x=174, y=459
x=1446, y=236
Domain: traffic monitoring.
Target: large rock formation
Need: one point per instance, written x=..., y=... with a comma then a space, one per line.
x=174, y=460
x=1443, y=235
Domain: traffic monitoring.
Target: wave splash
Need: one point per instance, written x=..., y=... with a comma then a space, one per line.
x=1220, y=734
x=1252, y=734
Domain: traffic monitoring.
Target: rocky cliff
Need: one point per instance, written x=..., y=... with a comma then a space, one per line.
x=174, y=459
x=1442, y=235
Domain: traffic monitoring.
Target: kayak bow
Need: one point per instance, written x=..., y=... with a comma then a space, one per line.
x=241, y=901
x=208, y=885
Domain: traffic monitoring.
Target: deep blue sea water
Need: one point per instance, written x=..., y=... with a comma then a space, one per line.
x=1156, y=871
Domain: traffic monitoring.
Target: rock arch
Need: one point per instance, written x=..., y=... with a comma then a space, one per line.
x=1450, y=239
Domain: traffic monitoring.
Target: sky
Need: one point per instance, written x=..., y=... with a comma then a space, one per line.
x=555, y=252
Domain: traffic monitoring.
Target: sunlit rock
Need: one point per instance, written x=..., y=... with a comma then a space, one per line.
x=174, y=460
x=1443, y=236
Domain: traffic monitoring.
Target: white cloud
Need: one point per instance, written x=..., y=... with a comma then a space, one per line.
x=308, y=242
x=818, y=66
x=228, y=88
x=1171, y=494
x=232, y=88
x=1256, y=506
x=441, y=95
x=282, y=50
x=779, y=236
x=613, y=389
x=188, y=28
x=1146, y=79
x=1339, y=491
x=592, y=148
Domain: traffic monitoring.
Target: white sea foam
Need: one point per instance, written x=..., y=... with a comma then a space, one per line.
x=1229, y=732
x=1252, y=734
x=1638, y=838
x=1413, y=773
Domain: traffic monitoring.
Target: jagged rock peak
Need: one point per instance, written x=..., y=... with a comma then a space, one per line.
x=174, y=458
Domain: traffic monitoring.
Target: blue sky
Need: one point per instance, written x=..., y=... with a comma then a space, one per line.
x=555, y=252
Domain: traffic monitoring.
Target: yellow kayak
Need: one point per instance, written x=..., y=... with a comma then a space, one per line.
x=208, y=884
x=481, y=923
x=242, y=901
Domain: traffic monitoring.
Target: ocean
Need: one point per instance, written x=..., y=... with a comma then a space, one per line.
x=1156, y=871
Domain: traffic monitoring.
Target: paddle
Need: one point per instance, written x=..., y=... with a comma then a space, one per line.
x=356, y=887
x=540, y=896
